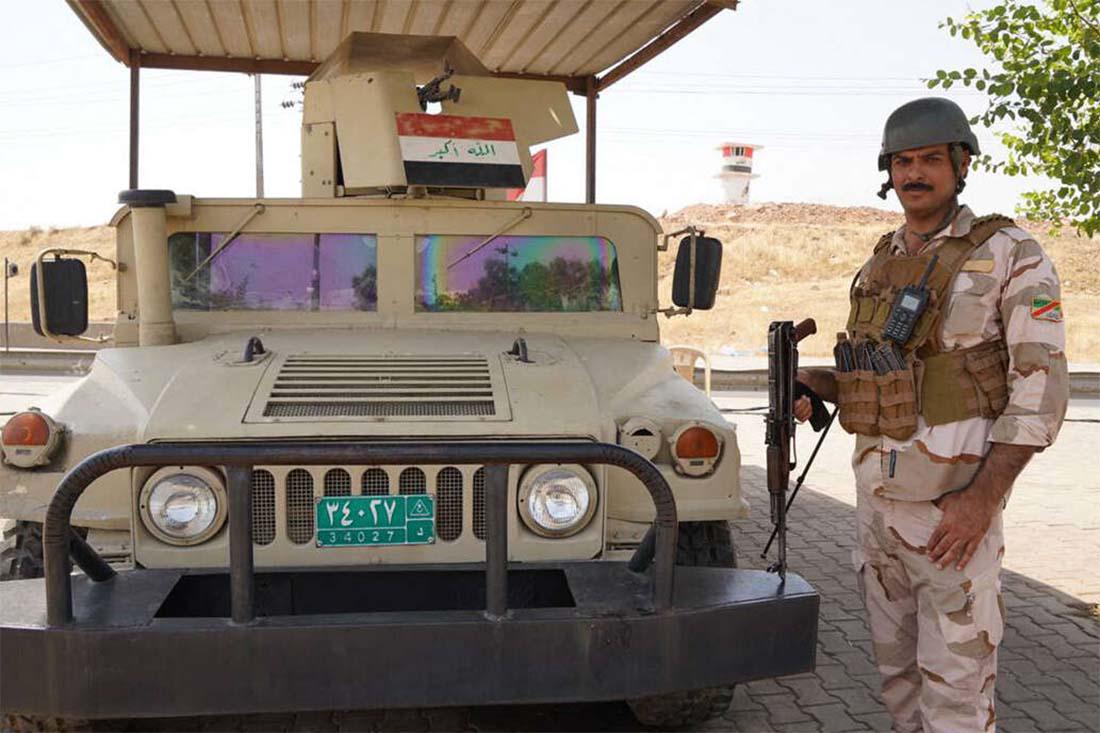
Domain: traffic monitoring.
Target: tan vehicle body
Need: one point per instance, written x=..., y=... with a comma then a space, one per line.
x=590, y=373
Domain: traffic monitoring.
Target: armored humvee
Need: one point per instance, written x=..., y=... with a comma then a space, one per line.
x=399, y=442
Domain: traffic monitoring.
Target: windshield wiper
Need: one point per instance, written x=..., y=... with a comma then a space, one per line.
x=525, y=214
x=256, y=211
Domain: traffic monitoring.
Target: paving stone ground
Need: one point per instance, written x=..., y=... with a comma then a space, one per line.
x=1049, y=676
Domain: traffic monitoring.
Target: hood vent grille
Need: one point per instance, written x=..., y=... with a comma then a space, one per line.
x=402, y=387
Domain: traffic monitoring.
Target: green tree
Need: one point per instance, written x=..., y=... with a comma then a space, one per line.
x=1044, y=82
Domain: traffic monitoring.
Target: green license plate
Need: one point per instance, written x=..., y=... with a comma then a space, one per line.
x=362, y=521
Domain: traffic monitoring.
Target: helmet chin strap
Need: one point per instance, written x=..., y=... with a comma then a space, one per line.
x=885, y=187
x=927, y=236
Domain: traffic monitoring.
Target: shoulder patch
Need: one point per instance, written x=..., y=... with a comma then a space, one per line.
x=1045, y=308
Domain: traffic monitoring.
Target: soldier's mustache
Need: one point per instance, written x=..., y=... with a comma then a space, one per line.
x=916, y=187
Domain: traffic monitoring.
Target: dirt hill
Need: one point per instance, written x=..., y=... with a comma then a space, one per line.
x=780, y=261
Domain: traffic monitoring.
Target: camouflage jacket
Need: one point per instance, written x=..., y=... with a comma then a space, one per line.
x=1008, y=289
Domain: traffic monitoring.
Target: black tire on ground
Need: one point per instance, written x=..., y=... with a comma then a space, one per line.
x=699, y=544
x=21, y=556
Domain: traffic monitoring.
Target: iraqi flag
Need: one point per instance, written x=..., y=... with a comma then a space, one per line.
x=450, y=150
x=536, y=187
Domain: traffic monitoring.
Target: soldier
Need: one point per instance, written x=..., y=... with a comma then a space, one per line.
x=977, y=385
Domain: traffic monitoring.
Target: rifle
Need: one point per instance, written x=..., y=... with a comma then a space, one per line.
x=783, y=338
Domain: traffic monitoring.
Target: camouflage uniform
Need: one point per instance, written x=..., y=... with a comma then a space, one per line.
x=935, y=632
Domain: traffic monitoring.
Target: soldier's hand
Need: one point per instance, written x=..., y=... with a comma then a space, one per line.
x=803, y=409
x=966, y=519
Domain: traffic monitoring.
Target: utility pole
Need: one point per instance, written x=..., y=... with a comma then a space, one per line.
x=259, y=141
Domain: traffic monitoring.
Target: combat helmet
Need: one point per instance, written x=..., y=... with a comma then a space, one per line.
x=923, y=122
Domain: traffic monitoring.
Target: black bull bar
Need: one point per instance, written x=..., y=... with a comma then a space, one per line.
x=99, y=648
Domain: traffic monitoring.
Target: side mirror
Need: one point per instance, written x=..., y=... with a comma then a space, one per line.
x=708, y=267
x=59, y=294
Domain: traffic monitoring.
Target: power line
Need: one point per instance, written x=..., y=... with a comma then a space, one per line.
x=729, y=75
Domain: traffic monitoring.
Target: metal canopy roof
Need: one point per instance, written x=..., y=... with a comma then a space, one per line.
x=567, y=40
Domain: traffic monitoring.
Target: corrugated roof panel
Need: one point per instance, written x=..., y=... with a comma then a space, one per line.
x=488, y=26
x=392, y=14
x=568, y=38
x=138, y=26
x=561, y=13
x=360, y=17
x=423, y=21
x=655, y=18
x=266, y=26
x=615, y=24
x=330, y=17
x=166, y=19
x=525, y=19
x=296, y=22
x=201, y=28
x=562, y=38
x=458, y=16
x=230, y=21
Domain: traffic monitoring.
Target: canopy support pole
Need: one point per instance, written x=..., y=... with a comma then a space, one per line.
x=591, y=85
x=135, y=87
x=259, y=140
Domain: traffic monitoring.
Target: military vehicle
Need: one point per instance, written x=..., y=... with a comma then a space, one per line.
x=399, y=442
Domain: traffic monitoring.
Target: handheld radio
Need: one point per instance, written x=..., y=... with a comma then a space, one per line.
x=908, y=307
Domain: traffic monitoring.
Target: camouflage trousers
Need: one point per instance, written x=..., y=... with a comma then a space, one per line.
x=934, y=632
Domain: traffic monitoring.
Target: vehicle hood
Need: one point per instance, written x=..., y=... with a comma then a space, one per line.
x=568, y=387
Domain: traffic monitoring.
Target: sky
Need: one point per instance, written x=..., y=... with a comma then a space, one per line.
x=810, y=81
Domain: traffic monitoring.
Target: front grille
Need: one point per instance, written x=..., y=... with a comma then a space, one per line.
x=376, y=482
x=448, y=502
x=412, y=481
x=299, y=506
x=263, y=507
x=308, y=386
x=479, y=504
x=295, y=490
x=379, y=409
x=337, y=482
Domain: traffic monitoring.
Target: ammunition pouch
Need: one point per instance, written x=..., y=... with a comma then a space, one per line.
x=957, y=385
x=898, y=402
x=878, y=404
x=857, y=400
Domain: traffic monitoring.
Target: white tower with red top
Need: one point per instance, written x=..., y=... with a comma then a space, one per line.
x=737, y=172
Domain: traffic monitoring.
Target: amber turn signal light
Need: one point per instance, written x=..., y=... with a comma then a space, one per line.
x=29, y=439
x=695, y=450
x=697, y=442
x=26, y=428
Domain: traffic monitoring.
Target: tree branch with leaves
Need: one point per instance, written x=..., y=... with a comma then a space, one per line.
x=1044, y=83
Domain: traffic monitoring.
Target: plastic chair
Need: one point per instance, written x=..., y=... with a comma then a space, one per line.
x=684, y=359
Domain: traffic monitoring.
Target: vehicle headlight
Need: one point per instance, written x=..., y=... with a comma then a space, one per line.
x=183, y=506
x=557, y=500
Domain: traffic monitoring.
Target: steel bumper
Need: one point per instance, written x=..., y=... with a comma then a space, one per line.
x=123, y=658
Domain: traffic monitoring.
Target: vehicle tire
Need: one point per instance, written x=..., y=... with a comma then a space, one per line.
x=698, y=544
x=21, y=556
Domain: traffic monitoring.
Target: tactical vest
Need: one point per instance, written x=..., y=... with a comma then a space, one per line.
x=943, y=386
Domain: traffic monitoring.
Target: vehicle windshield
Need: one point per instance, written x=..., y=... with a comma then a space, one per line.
x=516, y=274
x=301, y=272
